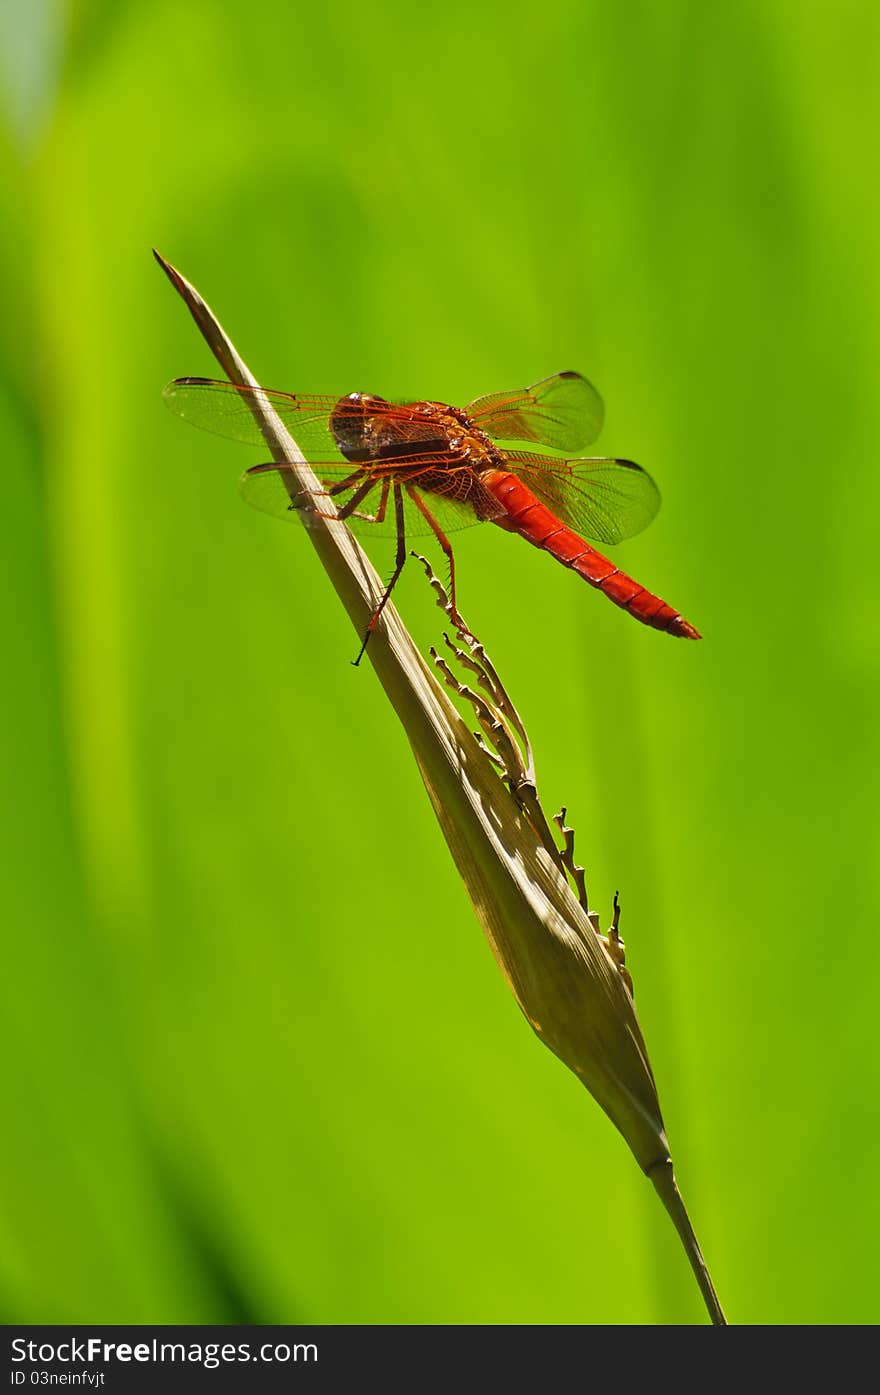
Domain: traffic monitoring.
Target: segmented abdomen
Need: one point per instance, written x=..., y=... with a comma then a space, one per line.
x=526, y=515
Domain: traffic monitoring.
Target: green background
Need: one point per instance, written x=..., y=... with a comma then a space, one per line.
x=257, y=1061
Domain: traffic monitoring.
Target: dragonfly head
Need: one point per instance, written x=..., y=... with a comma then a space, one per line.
x=367, y=428
x=356, y=423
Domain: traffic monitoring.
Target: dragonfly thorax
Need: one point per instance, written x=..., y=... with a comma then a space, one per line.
x=464, y=439
x=367, y=428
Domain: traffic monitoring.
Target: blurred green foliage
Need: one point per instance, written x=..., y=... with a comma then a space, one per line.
x=257, y=1062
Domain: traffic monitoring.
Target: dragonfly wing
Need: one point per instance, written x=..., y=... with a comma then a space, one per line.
x=453, y=496
x=316, y=422
x=564, y=412
x=605, y=500
x=232, y=410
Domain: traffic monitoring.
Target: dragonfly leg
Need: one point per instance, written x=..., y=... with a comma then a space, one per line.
x=383, y=501
x=399, y=561
x=379, y=515
x=350, y=505
x=444, y=543
x=349, y=508
x=348, y=483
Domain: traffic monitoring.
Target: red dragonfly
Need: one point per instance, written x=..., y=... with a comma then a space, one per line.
x=426, y=467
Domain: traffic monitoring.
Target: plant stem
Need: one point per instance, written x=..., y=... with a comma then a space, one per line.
x=666, y=1187
x=547, y=944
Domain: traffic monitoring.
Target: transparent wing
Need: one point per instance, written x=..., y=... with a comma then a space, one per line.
x=231, y=410
x=453, y=496
x=605, y=500
x=564, y=412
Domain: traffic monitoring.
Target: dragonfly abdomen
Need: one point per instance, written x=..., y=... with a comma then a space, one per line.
x=526, y=515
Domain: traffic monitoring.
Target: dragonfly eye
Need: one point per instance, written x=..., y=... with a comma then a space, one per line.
x=352, y=428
